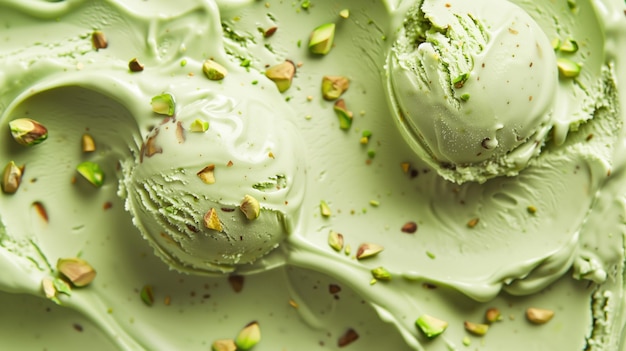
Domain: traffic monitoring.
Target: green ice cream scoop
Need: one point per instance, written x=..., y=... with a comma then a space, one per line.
x=473, y=85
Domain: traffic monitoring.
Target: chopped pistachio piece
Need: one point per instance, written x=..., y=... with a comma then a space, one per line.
x=345, y=13
x=539, y=315
x=77, y=270
x=213, y=70
x=466, y=341
x=164, y=104
x=282, y=75
x=569, y=46
x=493, y=315
x=324, y=209
x=473, y=222
x=335, y=240
x=41, y=211
x=62, y=286
x=567, y=68
x=431, y=326
x=199, y=126
x=28, y=132
x=207, y=174
x=224, y=345
x=48, y=288
x=531, y=209
x=12, y=177
x=88, y=144
x=212, y=221
x=99, y=40
x=556, y=43
x=91, y=172
x=344, y=115
x=348, y=338
x=334, y=86
x=380, y=273
x=476, y=328
x=321, y=40
x=368, y=250
x=147, y=296
x=269, y=32
x=348, y=250
x=250, y=207
x=248, y=337
x=459, y=81
x=135, y=66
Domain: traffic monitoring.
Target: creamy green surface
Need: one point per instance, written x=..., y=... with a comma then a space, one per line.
x=567, y=256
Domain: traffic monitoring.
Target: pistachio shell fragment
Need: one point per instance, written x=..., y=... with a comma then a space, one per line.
x=147, y=296
x=539, y=315
x=12, y=177
x=344, y=115
x=99, y=40
x=224, y=345
x=493, y=315
x=368, y=250
x=135, y=66
x=164, y=104
x=334, y=86
x=476, y=328
x=28, y=132
x=431, y=326
x=92, y=172
x=321, y=40
x=213, y=70
x=207, y=174
x=250, y=207
x=567, y=68
x=335, y=240
x=77, y=270
x=199, y=126
x=88, y=144
x=380, y=273
x=282, y=75
x=212, y=221
x=248, y=337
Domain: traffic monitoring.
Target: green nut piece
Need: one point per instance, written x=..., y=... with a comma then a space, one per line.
x=567, y=68
x=199, y=126
x=380, y=273
x=476, y=328
x=28, y=132
x=325, y=209
x=366, y=250
x=344, y=115
x=164, y=104
x=321, y=40
x=11, y=177
x=335, y=240
x=248, y=337
x=147, y=296
x=92, y=172
x=431, y=326
x=77, y=270
x=250, y=207
x=334, y=86
x=213, y=70
x=282, y=75
x=569, y=46
x=224, y=345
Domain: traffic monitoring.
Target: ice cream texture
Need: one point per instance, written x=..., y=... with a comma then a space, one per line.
x=475, y=86
x=396, y=244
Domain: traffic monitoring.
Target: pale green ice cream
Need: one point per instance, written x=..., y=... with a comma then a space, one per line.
x=248, y=151
x=475, y=86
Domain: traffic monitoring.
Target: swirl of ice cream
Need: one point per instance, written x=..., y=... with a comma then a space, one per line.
x=474, y=86
x=218, y=185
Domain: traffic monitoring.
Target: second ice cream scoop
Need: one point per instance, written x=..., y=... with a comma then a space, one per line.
x=474, y=84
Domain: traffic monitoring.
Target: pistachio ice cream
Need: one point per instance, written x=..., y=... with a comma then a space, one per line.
x=262, y=174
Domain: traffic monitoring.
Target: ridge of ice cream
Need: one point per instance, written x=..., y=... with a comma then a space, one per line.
x=420, y=260
x=220, y=183
x=475, y=86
